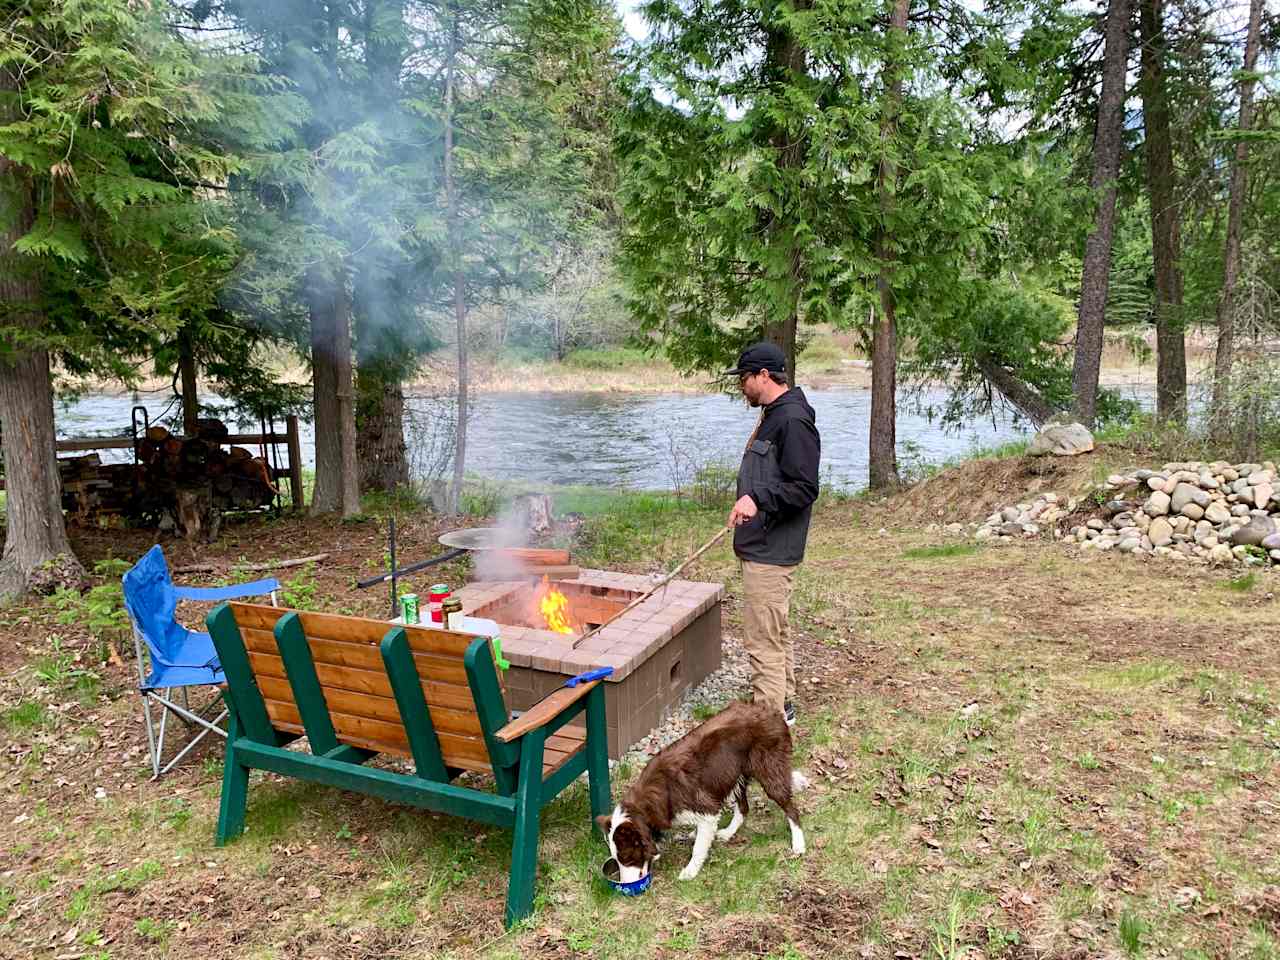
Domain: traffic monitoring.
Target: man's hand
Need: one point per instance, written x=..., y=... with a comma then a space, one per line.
x=742, y=511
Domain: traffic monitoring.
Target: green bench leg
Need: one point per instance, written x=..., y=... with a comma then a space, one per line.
x=235, y=790
x=598, y=756
x=524, y=848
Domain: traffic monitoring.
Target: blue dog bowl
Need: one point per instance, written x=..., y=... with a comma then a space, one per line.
x=611, y=872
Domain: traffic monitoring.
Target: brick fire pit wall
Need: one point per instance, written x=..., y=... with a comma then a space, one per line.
x=658, y=651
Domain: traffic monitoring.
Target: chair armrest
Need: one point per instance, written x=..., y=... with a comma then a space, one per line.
x=212, y=594
x=544, y=711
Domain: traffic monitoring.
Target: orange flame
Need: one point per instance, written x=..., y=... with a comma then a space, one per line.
x=555, y=608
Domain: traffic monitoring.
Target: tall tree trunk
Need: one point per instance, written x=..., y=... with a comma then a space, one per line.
x=784, y=334
x=1097, y=252
x=380, y=446
x=187, y=370
x=882, y=442
x=1220, y=409
x=35, y=532
x=786, y=56
x=1166, y=219
x=344, y=374
x=336, y=488
x=454, y=222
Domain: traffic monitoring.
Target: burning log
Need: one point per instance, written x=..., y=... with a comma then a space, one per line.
x=531, y=556
x=565, y=571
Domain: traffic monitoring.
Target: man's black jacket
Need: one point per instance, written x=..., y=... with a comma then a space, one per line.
x=780, y=473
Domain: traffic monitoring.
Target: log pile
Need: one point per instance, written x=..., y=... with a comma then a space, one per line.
x=183, y=483
x=91, y=488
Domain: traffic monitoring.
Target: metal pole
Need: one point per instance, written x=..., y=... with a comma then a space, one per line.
x=391, y=537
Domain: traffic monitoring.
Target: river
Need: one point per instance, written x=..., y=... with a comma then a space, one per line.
x=637, y=441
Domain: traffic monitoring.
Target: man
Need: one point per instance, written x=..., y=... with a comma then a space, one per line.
x=777, y=485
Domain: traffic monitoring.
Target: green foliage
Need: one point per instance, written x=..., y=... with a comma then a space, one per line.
x=100, y=610
x=1132, y=928
x=760, y=197
x=605, y=359
x=157, y=931
x=480, y=498
x=28, y=715
x=58, y=669
x=299, y=592
x=941, y=551
x=113, y=125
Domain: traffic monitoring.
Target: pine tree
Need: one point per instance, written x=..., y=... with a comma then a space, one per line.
x=108, y=246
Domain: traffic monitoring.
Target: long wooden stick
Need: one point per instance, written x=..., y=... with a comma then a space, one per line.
x=652, y=590
x=245, y=567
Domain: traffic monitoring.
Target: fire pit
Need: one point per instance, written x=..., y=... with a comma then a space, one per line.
x=658, y=651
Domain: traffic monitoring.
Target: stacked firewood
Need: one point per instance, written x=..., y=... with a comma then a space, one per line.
x=209, y=476
x=183, y=482
x=91, y=488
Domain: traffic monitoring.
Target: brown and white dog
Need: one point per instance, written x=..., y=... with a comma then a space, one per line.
x=690, y=781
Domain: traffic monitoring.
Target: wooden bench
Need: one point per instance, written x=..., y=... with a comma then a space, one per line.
x=357, y=687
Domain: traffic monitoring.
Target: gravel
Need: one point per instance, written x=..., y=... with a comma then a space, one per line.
x=731, y=682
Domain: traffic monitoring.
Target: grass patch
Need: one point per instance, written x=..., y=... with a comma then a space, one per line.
x=1131, y=930
x=606, y=358
x=84, y=901
x=1243, y=583
x=1134, y=676
x=156, y=931
x=28, y=715
x=822, y=354
x=941, y=551
x=621, y=527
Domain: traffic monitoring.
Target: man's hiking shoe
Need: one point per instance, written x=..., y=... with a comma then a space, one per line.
x=789, y=713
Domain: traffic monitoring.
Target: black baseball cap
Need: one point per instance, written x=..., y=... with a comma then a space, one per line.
x=760, y=356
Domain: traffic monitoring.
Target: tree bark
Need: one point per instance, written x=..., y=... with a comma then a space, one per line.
x=345, y=377
x=1097, y=252
x=1220, y=406
x=1023, y=396
x=454, y=223
x=882, y=442
x=380, y=446
x=187, y=369
x=35, y=531
x=786, y=56
x=336, y=488
x=1166, y=219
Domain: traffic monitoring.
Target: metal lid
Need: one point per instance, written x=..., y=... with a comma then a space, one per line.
x=482, y=538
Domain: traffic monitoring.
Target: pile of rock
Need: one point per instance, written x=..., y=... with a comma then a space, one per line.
x=1213, y=512
x=1022, y=520
x=1217, y=512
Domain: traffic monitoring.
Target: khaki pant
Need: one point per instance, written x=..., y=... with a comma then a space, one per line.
x=766, y=592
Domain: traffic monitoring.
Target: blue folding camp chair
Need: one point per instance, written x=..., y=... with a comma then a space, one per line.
x=179, y=658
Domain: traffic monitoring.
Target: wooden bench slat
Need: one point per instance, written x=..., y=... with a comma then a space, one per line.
x=329, y=626
x=375, y=707
x=361, y=656
x=379, y=747
x=453, y=747
x=452, y=696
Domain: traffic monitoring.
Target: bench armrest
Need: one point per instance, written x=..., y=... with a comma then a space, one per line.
x=544, y=711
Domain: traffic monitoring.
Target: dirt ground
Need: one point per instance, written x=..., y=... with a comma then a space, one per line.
x=1018, y=751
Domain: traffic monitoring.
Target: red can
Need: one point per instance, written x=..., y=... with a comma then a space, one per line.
x=436, y=596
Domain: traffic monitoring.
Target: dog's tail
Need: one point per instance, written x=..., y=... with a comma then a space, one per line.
x=799, y=781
